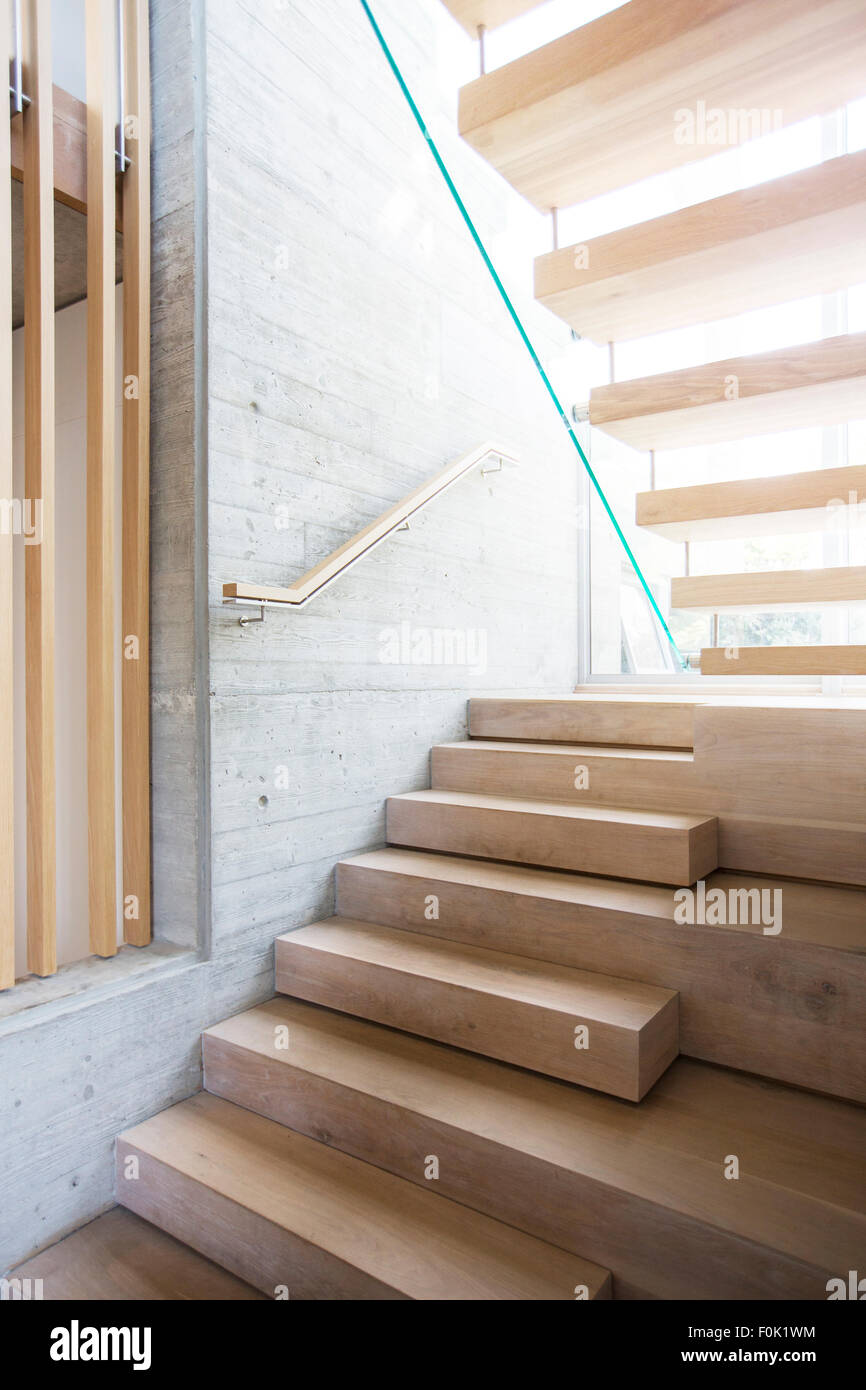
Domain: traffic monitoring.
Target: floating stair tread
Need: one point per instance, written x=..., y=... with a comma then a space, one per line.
x=815, y=913
x=489, y=13
x=801, y=1156
x=616, y=719
x=820, y=383
x=653, y=846
x=559, y=988
x=792, y=237
x=792, y=589
x=409, y=1241
x=784, y=661
x=599, y=108
x=517, y=1009
x=817, y=500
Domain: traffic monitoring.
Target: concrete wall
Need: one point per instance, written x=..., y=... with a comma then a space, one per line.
x=355, y=346
x=324, y=340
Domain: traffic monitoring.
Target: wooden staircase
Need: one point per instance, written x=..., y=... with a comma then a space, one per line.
x=635, y=93
x=468, y=1086
x=590, y=1024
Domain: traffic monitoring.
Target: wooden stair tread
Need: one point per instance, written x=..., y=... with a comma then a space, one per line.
x=520, y=1010
x=801, y=1156
x=819, y=383
x=572, y=750
x=827, y=660
x=761, y=589
x=795, y=236
x=652, y=846
x=569, y=773
x=740, y=990
x=119, y=1257
x=665, y=722
x=622, y=1003
x=598, y=108
x=817, y=913
x=412, y=1242
x=489, y=13
x=815, y=500
x=615, y=815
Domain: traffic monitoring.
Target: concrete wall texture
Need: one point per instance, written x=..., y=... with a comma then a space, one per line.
x=325, y=339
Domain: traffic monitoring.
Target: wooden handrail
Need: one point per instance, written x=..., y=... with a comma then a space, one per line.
x=323, y=574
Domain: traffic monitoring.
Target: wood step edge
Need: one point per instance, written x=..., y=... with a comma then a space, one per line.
x=267, y=1177
x=502, y=975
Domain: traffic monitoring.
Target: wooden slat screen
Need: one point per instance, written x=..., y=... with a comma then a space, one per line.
x=7, y=495
x=39, y=565
x=136, y=482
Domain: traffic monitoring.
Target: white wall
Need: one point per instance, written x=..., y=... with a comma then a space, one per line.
x=70, y=646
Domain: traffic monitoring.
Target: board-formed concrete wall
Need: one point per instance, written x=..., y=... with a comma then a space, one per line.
x=325, y=338
x=355, y=346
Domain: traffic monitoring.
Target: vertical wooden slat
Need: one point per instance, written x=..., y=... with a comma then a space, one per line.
x=38, y=126
x=101, y=762
x=7, y=491
x=136, y=481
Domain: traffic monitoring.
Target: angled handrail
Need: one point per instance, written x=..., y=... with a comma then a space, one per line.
x=335, y=564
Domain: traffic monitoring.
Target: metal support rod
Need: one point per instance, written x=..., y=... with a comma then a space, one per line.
x=17, y=98
x=482, y=50
x=715, y=638
x=554, y=218
x=121, y=92
x=686, y=566
x=652, y=470
x=247, y=622
x=611, y=361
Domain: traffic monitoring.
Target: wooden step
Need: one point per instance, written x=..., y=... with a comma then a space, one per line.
x=741, y=991
x=663, y=722
x=825, y=499
x=488, y=14
x=784, y=661
x=639, y=1189
x=782, y=589
x=614, y=1035
x=120, y=1258
x=795, y=236
x=600, y=774
x=654, y=846
x=284, y=1212
x=636, y=91
x=822, y=383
